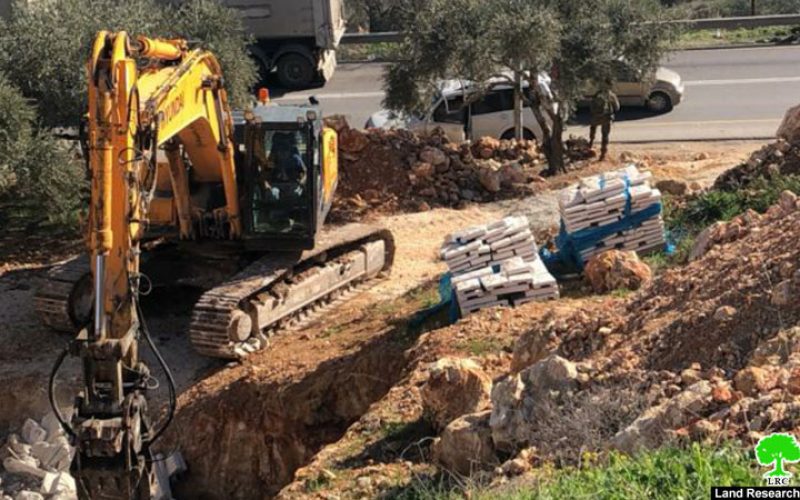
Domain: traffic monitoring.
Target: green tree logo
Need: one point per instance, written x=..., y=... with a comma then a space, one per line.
x=776, y=449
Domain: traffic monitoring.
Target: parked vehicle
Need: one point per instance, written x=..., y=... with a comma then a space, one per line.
x=297, y=38
x=490, y=115
x=659, y=92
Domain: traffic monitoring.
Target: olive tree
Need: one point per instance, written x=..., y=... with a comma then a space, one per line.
x=45, y=45
x=374, y=15
x=40, y=181
x=561, y=46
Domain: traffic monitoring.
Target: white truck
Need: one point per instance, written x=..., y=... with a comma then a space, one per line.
x=298, y=38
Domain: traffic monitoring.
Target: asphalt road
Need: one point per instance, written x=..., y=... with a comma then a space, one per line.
x=730, y=94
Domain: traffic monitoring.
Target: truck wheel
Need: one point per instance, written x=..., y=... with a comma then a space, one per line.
x=295, y=71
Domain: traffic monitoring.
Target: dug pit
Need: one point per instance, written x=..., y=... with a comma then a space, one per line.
x=245, y=430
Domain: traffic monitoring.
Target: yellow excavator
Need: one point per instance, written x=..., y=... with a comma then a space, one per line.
x=183, y=191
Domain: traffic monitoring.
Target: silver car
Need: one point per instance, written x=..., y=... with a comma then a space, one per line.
x=659, y=92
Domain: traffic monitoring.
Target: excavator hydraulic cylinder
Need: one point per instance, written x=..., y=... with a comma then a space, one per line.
x=166, y=50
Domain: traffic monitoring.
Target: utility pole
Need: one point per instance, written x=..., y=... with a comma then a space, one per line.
x=752, y=7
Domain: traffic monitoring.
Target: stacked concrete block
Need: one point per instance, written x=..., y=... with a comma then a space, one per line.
x=481, y=246
x=514, y=282
x=598, y=201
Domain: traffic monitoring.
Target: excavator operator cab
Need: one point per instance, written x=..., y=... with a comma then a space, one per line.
x=283, y=171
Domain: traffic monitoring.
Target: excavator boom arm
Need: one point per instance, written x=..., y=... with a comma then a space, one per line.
x=145, y=95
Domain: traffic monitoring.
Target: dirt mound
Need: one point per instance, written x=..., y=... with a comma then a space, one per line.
x=777, y=158
x=708, y=323
x=713, y=311
x=705, y=352
x=385, y=171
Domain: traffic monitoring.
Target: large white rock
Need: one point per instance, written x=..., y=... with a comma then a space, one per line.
x=58, y=482
x=17, y=447
x=28, y=495
x=515, y=400
x=53, y=456
x=454, y=388
x=23, y=466
x=52, y=426
x=32, y=432
x=650, y=429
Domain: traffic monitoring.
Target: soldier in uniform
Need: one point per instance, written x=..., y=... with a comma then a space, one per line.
x=604, y=105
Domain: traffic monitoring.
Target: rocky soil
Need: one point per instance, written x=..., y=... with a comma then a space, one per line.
x=706, y=352
x=396, y=170
x=777, y=158
x=360, y=409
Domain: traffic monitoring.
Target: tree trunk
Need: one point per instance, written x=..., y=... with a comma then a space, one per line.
x=556, y=158
x=535, y=102
x=518, y=105
x=552, y=143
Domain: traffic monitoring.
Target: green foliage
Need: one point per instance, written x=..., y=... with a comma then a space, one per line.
x=665, y=473
x=726, y=8
x=705, y=38
x=482, y=347
x=219, y=29
x=426, y=296
x=712, y=206
x=575, y=41
x=445, y=38
x=685, y=219
x=45, y=45
x=621, y=293
x=357, y=52
x=40, y=181
x=374, y=15
x=16, y=116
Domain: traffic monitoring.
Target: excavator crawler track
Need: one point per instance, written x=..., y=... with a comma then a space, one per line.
x=283, y=290
x=64, y=302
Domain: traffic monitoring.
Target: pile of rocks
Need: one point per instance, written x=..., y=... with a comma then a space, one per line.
x=778, y=158
x=37, y=462
x=614, y=199
x=398, y=170
x=577, y=149
x=680, y=360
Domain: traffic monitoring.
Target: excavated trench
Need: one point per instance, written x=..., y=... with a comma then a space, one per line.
x=245, y=438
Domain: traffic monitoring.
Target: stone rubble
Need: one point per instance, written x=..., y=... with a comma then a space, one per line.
x=781, y=157
x=38, y=462
x=399, y=170
x=515, y=398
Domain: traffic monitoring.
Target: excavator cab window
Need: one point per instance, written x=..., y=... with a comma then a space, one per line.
x=281, y=201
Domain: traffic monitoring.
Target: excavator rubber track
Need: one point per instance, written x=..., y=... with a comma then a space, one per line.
x=64, y=302
x=237, y=317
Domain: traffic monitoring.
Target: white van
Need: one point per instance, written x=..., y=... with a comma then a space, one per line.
x=491, y=115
